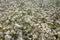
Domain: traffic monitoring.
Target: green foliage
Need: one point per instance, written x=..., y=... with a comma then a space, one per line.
x=15, y=36
x=58, y=3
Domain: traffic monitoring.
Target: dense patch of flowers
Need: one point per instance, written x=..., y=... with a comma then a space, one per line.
x=34, y=22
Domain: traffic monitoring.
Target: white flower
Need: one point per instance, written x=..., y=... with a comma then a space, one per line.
x=17, y=25
x=8, y=32
x=20, y=11
x=7, y=36
x=7, y=21
x=3, y=28
x=43, y=25
x=51, y=20
x=27, y=18
x=39, y=26
x=58, y=32
x=12, y=31
x=34, y=36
